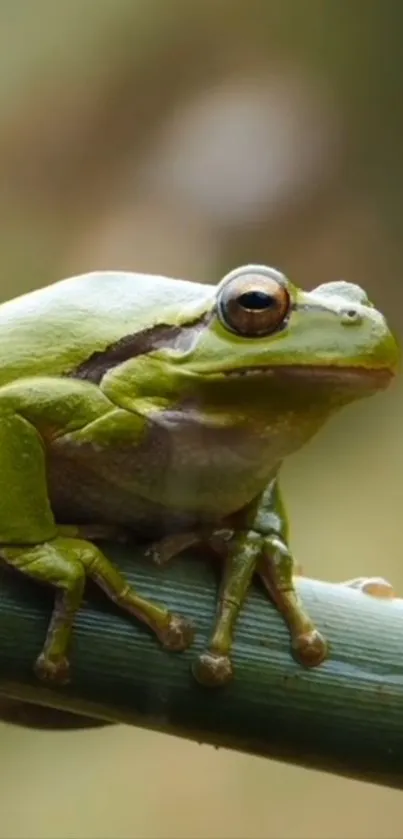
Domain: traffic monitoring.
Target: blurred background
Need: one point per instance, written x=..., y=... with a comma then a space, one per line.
x=185, y=138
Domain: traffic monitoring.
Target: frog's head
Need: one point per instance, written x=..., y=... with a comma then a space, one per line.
x=257, y=324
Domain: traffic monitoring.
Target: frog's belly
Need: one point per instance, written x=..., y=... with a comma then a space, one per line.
x=171, y=482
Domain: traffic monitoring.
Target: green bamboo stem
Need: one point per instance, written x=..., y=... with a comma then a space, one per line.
x=345, y=716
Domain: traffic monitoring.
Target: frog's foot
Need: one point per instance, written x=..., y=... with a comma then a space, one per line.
x=374, y=586
x=310, y=648
x=276, y=570
x=212, y=669
x=164, y=550
x=65, y=563
x=177, y=635
x=54, y=670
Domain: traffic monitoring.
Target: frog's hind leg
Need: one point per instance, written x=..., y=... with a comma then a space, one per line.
x=65, y=563
x=62, y=569
x=30, y=542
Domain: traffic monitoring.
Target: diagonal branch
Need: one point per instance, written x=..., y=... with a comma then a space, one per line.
x=345, y=716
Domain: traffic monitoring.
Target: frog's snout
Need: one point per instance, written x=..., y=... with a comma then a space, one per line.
x=369, y=337
x=383, y=350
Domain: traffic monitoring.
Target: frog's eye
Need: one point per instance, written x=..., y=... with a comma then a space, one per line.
x=253, y=303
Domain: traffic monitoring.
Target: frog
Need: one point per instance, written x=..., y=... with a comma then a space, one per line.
x=165, y=408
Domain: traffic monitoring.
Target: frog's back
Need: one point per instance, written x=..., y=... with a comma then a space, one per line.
x=52, y=330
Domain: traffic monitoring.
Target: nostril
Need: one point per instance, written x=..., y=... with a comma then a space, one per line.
x=351, y=317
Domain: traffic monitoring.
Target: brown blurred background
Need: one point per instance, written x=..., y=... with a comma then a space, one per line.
x=186, y=138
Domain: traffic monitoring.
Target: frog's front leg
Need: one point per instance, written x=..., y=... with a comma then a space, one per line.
x=255, y=541
x=258, y=544
x=30, y=540
x=213, y=667
x=277, y=571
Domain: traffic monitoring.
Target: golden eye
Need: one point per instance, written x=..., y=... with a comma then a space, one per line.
x=253, y=303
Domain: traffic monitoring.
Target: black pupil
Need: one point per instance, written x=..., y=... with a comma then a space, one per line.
x=257, y=300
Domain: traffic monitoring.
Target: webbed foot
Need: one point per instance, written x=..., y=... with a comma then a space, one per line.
x=177, y=635
x=65, y=563
x=54, y=670
x=310, y=648
x=212, y=669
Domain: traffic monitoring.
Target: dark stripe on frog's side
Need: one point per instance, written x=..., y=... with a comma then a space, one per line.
x=163, y=336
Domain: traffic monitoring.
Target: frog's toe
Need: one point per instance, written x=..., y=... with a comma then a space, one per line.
x=52, y=670
x=212, y=669
x=177, y=635
x=310, y=648
x=374, y=586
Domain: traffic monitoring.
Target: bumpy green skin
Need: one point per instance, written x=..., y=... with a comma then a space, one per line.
x=126, y=403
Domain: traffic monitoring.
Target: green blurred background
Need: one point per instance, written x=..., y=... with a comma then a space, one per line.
x=185, y=138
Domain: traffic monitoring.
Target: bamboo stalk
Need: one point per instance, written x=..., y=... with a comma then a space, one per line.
x=345, y=716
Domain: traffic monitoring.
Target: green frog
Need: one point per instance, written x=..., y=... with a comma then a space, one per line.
x=165, y=408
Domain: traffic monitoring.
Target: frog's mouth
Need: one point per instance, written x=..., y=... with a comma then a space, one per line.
x=345, y=376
